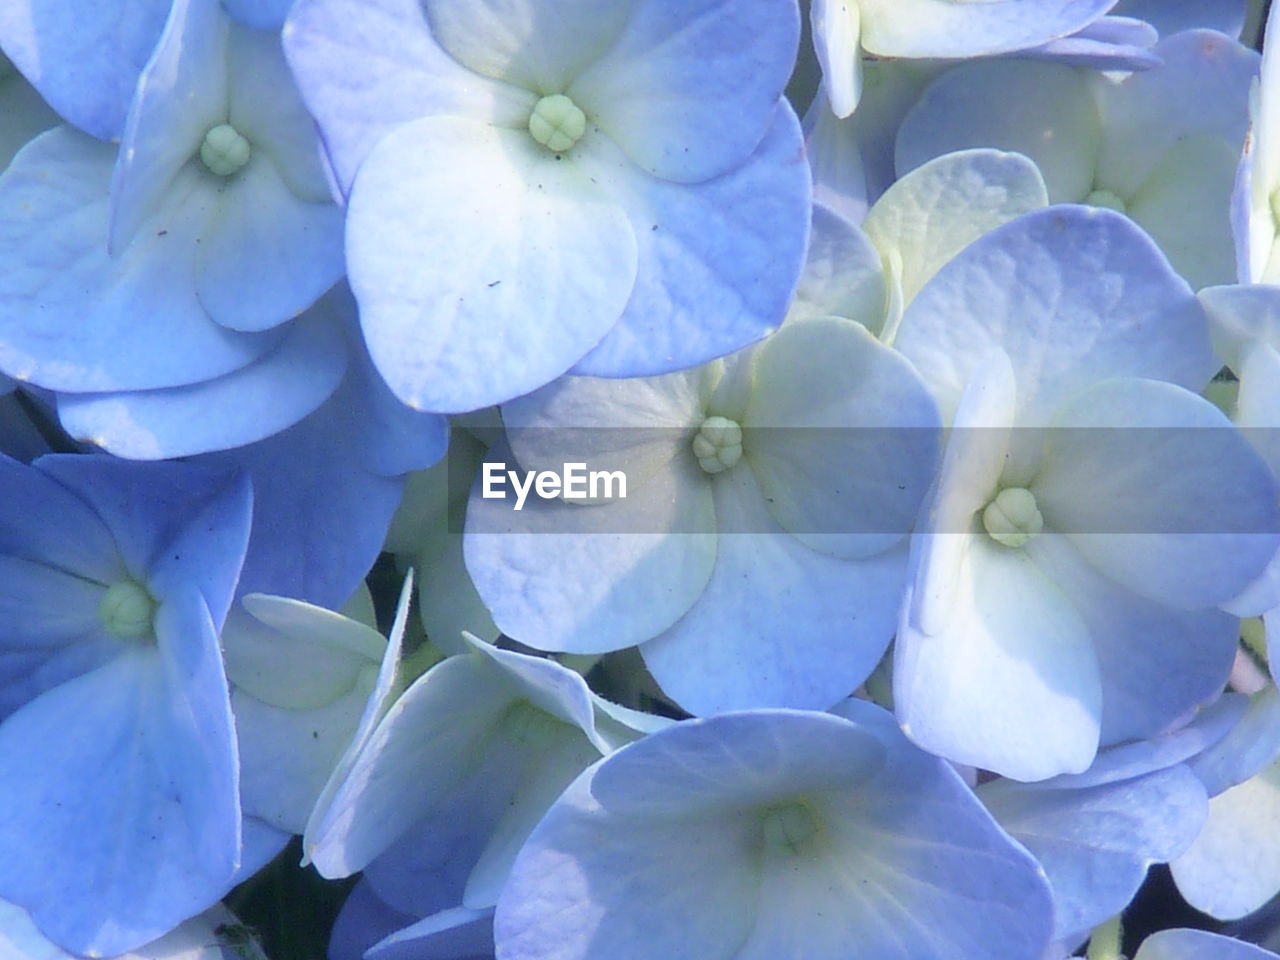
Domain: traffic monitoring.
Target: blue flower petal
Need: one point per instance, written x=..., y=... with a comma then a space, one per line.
x=689, y=88
x=153, y=732
x=71, y=316
x=362, y=84
x=1096, y=843
x=718, y=261
x=84, y=60
x=505, y=308
x=267, y=396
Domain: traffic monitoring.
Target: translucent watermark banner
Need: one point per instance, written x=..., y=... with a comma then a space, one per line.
x=882, y=482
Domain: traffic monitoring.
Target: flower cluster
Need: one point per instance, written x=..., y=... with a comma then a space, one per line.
x=856, y=536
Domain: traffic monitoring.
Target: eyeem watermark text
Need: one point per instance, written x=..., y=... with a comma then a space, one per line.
x=573, y=482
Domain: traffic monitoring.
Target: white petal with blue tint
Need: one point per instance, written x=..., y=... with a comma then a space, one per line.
x=112, y=313
x=1073, y=295
x=1158, y=491
x=244, y=406
x=586, y=578
x=941, y=28
x=1053, y=120
x=500, y=311
x=362, y=84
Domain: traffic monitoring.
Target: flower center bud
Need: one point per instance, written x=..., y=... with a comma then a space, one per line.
x=557, y=123
x=718, y=445
x=127, y=610
x=531, y=726
x=1275, y=206
x=1013, y=518
x=224, y=151
x=788, y=830
x=1105, y=198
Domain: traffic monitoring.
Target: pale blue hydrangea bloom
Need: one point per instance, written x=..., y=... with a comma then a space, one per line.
x=305, y=684
x=610, y=187
x=870, y=269
x=844, y=29
x=117, y=738
x=1161, y=145
x=158, y=278
x=434, y=800
x=1064, y=354
x=758, y=556
x=773, y=833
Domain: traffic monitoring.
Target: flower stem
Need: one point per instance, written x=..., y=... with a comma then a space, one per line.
x=1106, y=940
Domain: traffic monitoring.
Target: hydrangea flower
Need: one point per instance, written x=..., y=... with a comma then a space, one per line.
x=306, y=683
x=1161, y=145
x=870, y=269
x=1091, y=510
x=213, y=216
x=119, y=766
x=611, y=187
x=758, y=555
x=844, y=29
x=434, y=800
x=773, y=833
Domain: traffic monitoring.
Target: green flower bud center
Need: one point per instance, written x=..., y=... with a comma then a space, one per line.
x=789, y=830
x=127, y=610
x=224, y=151
x=1108, y=199
x=1013, y=518
x=718, y=444
x=530, y=725
x=557, y=123
x=1275, y=206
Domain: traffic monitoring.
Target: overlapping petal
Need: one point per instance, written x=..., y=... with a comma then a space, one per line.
x=717, y=261
x=503, y=310
x=690, y=87
x=153, y=730
x=75, y=318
